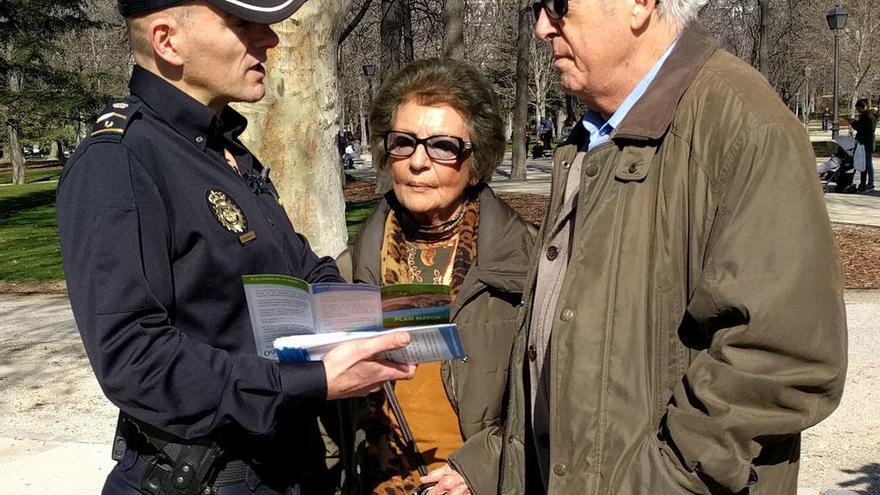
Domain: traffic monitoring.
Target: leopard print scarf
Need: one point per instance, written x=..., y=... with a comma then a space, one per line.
x=400, y=226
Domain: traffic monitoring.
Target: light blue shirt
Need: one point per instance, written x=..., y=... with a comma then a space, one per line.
x=600, y=129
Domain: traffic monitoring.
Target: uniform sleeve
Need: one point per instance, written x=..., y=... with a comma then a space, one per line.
x=317, y=269
x=769, y=307
x=115, y=247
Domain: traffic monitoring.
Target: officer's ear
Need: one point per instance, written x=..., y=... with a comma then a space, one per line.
x=166, y=35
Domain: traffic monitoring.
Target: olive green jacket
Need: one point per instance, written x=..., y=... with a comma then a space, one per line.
x=700, y=326
x=485, y=311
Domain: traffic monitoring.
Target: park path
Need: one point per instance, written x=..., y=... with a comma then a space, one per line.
x=56, y=426
x=858, y=209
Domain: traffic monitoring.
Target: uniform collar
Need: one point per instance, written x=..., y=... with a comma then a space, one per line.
x=651, y=115
x=192, y=119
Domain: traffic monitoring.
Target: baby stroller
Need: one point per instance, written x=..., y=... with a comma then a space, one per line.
x=837, y=173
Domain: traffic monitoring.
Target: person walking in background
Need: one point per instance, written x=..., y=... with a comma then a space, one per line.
x=547, y=133
x=864, y=126
x=683, y=317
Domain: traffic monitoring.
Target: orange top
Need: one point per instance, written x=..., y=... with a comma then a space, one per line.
x=431, y=418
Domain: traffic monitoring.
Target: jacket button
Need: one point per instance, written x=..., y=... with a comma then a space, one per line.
x=567, y=315
x=592, y=170
x=560, y=469
x=633, y=168
x=565, y=165
x=533, y=353
x=552, y=253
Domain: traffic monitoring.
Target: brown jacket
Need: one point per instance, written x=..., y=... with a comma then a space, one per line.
x=485, y=312
x=700, y=326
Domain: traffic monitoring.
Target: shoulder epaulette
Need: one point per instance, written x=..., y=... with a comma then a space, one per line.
x=115, y=118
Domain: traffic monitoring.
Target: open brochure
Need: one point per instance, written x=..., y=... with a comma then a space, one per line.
x=283, y=306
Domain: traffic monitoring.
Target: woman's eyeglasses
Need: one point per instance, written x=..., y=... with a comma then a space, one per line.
x=441, y=148
x=556, y=9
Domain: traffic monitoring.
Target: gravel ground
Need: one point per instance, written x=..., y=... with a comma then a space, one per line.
x=844, y=450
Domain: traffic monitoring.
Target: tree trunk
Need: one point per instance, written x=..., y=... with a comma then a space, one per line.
x=560, y=123
x=764, y=37
x=16, y=156
x=406, y=32
x=521, y=101
x=395, y=33
x=294, y=128
x=396, y=43
x=56, y=151
x=453, y=29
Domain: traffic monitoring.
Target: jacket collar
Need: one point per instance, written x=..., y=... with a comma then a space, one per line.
x=193, y=120
x=651, y=116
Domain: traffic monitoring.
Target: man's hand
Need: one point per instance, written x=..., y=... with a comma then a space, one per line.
x=354, y=370
x=448, y=482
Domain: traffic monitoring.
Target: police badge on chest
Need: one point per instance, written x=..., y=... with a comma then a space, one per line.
x=230, y=216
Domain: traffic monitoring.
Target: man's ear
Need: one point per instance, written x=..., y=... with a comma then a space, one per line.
x=165, y=35
x=640, y=13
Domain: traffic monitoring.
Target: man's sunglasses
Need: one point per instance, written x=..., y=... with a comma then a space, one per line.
x=556, y=9
x=441, y=148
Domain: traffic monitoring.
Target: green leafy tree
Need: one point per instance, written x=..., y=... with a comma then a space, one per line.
x=38, y=95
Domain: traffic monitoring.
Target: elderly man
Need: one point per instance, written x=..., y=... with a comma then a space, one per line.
x=161, y=212
x=684, y=321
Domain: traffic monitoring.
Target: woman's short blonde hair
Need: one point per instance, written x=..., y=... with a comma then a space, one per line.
x=444, y=82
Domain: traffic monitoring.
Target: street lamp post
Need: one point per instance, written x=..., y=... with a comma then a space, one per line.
x=808, y=72
x=836, y=18
x=369, y=71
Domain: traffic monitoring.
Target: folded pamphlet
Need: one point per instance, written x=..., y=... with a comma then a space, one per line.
x=429, y=343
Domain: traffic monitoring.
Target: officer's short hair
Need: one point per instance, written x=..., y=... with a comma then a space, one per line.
x=137, y=25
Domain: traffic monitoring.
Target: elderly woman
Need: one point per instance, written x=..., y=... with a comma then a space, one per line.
x=436, y=126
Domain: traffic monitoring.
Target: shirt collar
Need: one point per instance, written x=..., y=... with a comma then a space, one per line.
x=598, y=128
x=192, y=119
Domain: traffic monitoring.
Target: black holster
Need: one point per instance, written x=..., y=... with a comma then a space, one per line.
x=173, y=466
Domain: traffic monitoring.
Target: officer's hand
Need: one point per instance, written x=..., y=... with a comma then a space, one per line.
x=354, y=369
x=448, y=482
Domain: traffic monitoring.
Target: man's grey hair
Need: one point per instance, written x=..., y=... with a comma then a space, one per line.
x=678, y=13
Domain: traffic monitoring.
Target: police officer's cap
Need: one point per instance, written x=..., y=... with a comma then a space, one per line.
x=258, y=11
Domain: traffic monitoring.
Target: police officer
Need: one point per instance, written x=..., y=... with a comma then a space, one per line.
x=161, y=211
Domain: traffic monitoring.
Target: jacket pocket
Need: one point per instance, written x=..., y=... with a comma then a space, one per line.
x=671, y=355
x=648, y=473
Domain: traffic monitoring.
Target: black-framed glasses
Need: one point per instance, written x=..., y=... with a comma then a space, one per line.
x=556, y=9
x=401, y=144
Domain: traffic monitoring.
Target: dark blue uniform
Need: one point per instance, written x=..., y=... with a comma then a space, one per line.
x=156, y=231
